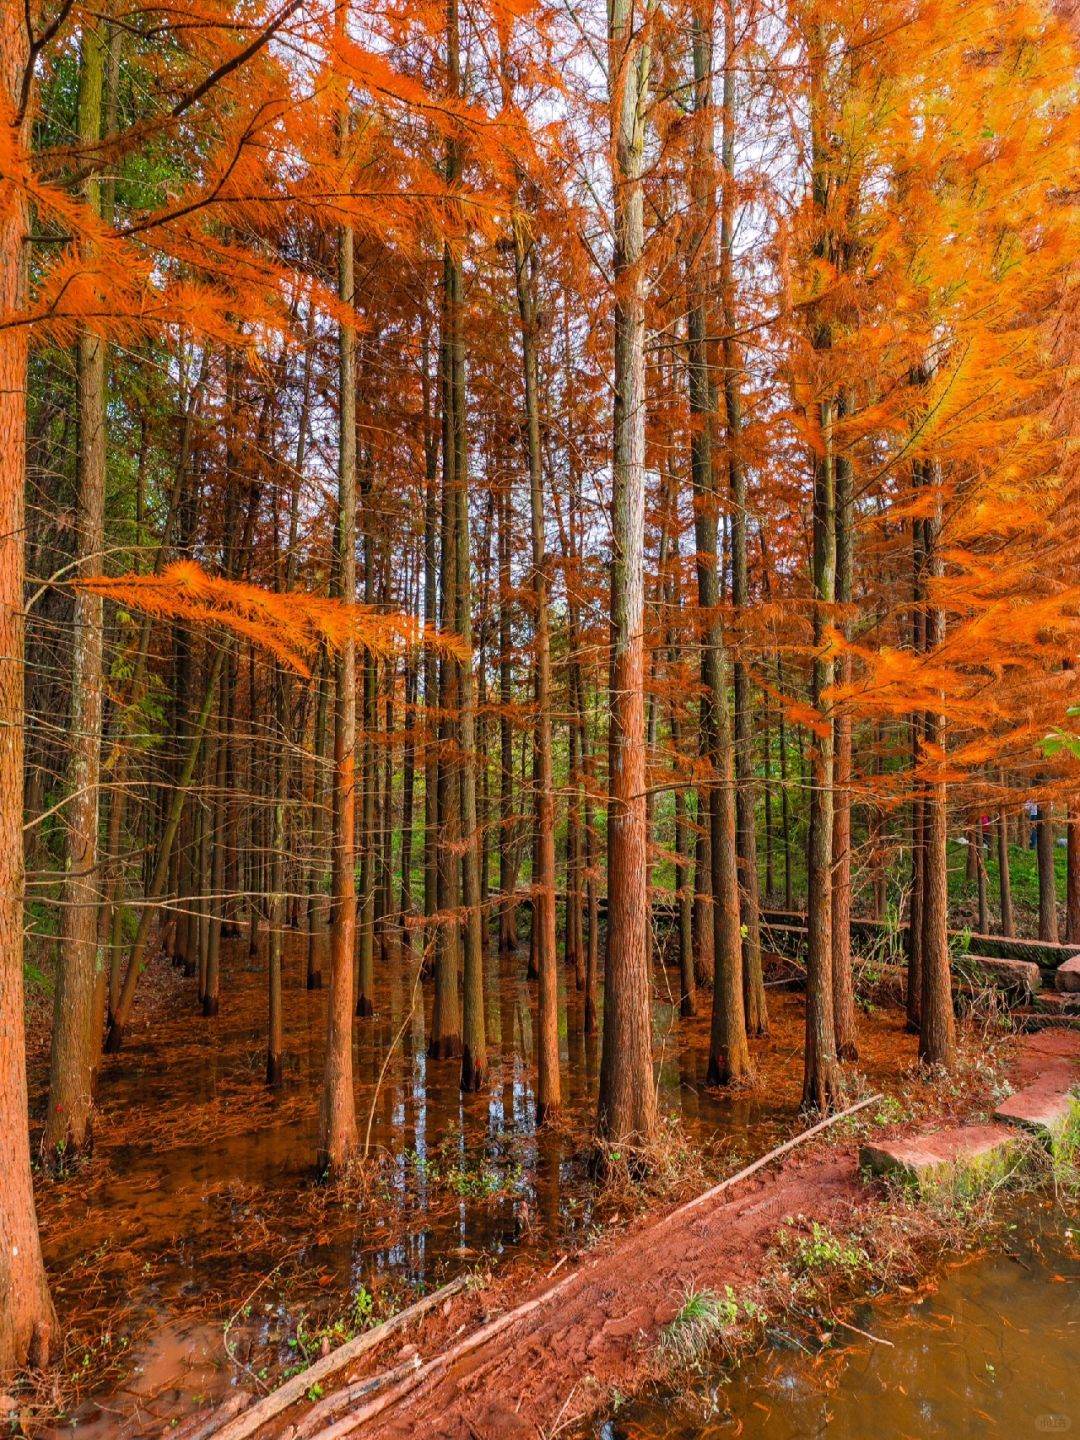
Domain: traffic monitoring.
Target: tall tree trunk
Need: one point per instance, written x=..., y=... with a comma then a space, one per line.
x=684, y=897
x=821, y=1078
x=937, y=1032
x=318, y=828
x=980, y=879
x=843, y=988
x=25, y=1307
x=821, y=1073
x=75, y=1047
x=408, y=791
x=757, y=1015
x=729, y=1056
x=1072, y=875
x=548, y=1096
x=785, y=797
x=219, y=810
x=275, y=1030
x=432, y=427
x=474, y=1059
x=365, y=966
x=918, y=809
x=1004, y=878
x=337, y=1112
x=627, y=1102
x=445, y=1041
x=508, y=847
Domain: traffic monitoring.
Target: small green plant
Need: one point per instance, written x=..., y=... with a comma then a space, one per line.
x=360, y=1311
x=890, y=1111
x=699, y=1320
x=822, y=1250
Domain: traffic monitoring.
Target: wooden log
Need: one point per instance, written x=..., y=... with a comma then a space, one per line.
x=333, y=1404
x=295, y=1389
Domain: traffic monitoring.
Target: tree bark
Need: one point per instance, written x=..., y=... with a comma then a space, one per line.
x=1072, y=876
x=25, y=1307
x=1044, y=842
x=843, y=988
x=75, y=1047
x=445, y=1041
x=729, y=1055
x=937, y=1033
x=757, y=1014
x=337, y=1112
x=548, y=1094
x=1004, y=878
x=627, y=1102
x=822, y=1086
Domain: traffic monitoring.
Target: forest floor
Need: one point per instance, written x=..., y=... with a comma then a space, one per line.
x=193, y=1255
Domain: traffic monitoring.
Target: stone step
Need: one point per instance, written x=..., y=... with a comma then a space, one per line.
x=1048, y=1107
x=966, y=1159
x=1054, y=1002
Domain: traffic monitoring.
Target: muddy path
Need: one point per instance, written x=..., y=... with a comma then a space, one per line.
x=586, y=1335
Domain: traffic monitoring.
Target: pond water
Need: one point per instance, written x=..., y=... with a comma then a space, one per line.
x=991, y=1351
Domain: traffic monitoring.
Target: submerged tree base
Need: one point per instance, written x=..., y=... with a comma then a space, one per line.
x=473, y=1075
x=444, y=1047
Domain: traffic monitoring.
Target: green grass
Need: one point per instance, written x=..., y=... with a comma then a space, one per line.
x=1023, y=875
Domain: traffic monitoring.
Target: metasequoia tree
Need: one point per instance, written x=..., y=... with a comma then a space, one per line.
x=337, y=1112
x=75, y=1048
x=315, y=350
x=729, y=1058
x=25, y=1307
x=627, y=1103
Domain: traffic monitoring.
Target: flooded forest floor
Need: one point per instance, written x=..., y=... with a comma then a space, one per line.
x=194, y=1252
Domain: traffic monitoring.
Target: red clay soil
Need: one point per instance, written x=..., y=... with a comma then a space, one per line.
x=601, y=1329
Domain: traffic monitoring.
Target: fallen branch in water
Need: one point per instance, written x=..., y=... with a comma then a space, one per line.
x=296, y=1388
x=877, y=1339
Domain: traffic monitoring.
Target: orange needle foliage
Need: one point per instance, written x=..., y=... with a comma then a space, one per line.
x=289, y=626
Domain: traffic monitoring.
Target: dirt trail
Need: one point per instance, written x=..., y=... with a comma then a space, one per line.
x=601, y=1329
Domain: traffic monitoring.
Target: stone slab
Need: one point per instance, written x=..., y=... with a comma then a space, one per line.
x=1047, y=1108
x=967, y=1155
x=1020, y=976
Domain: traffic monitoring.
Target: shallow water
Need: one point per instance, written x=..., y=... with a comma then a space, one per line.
x=199, y=1210
x=990, y=1352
